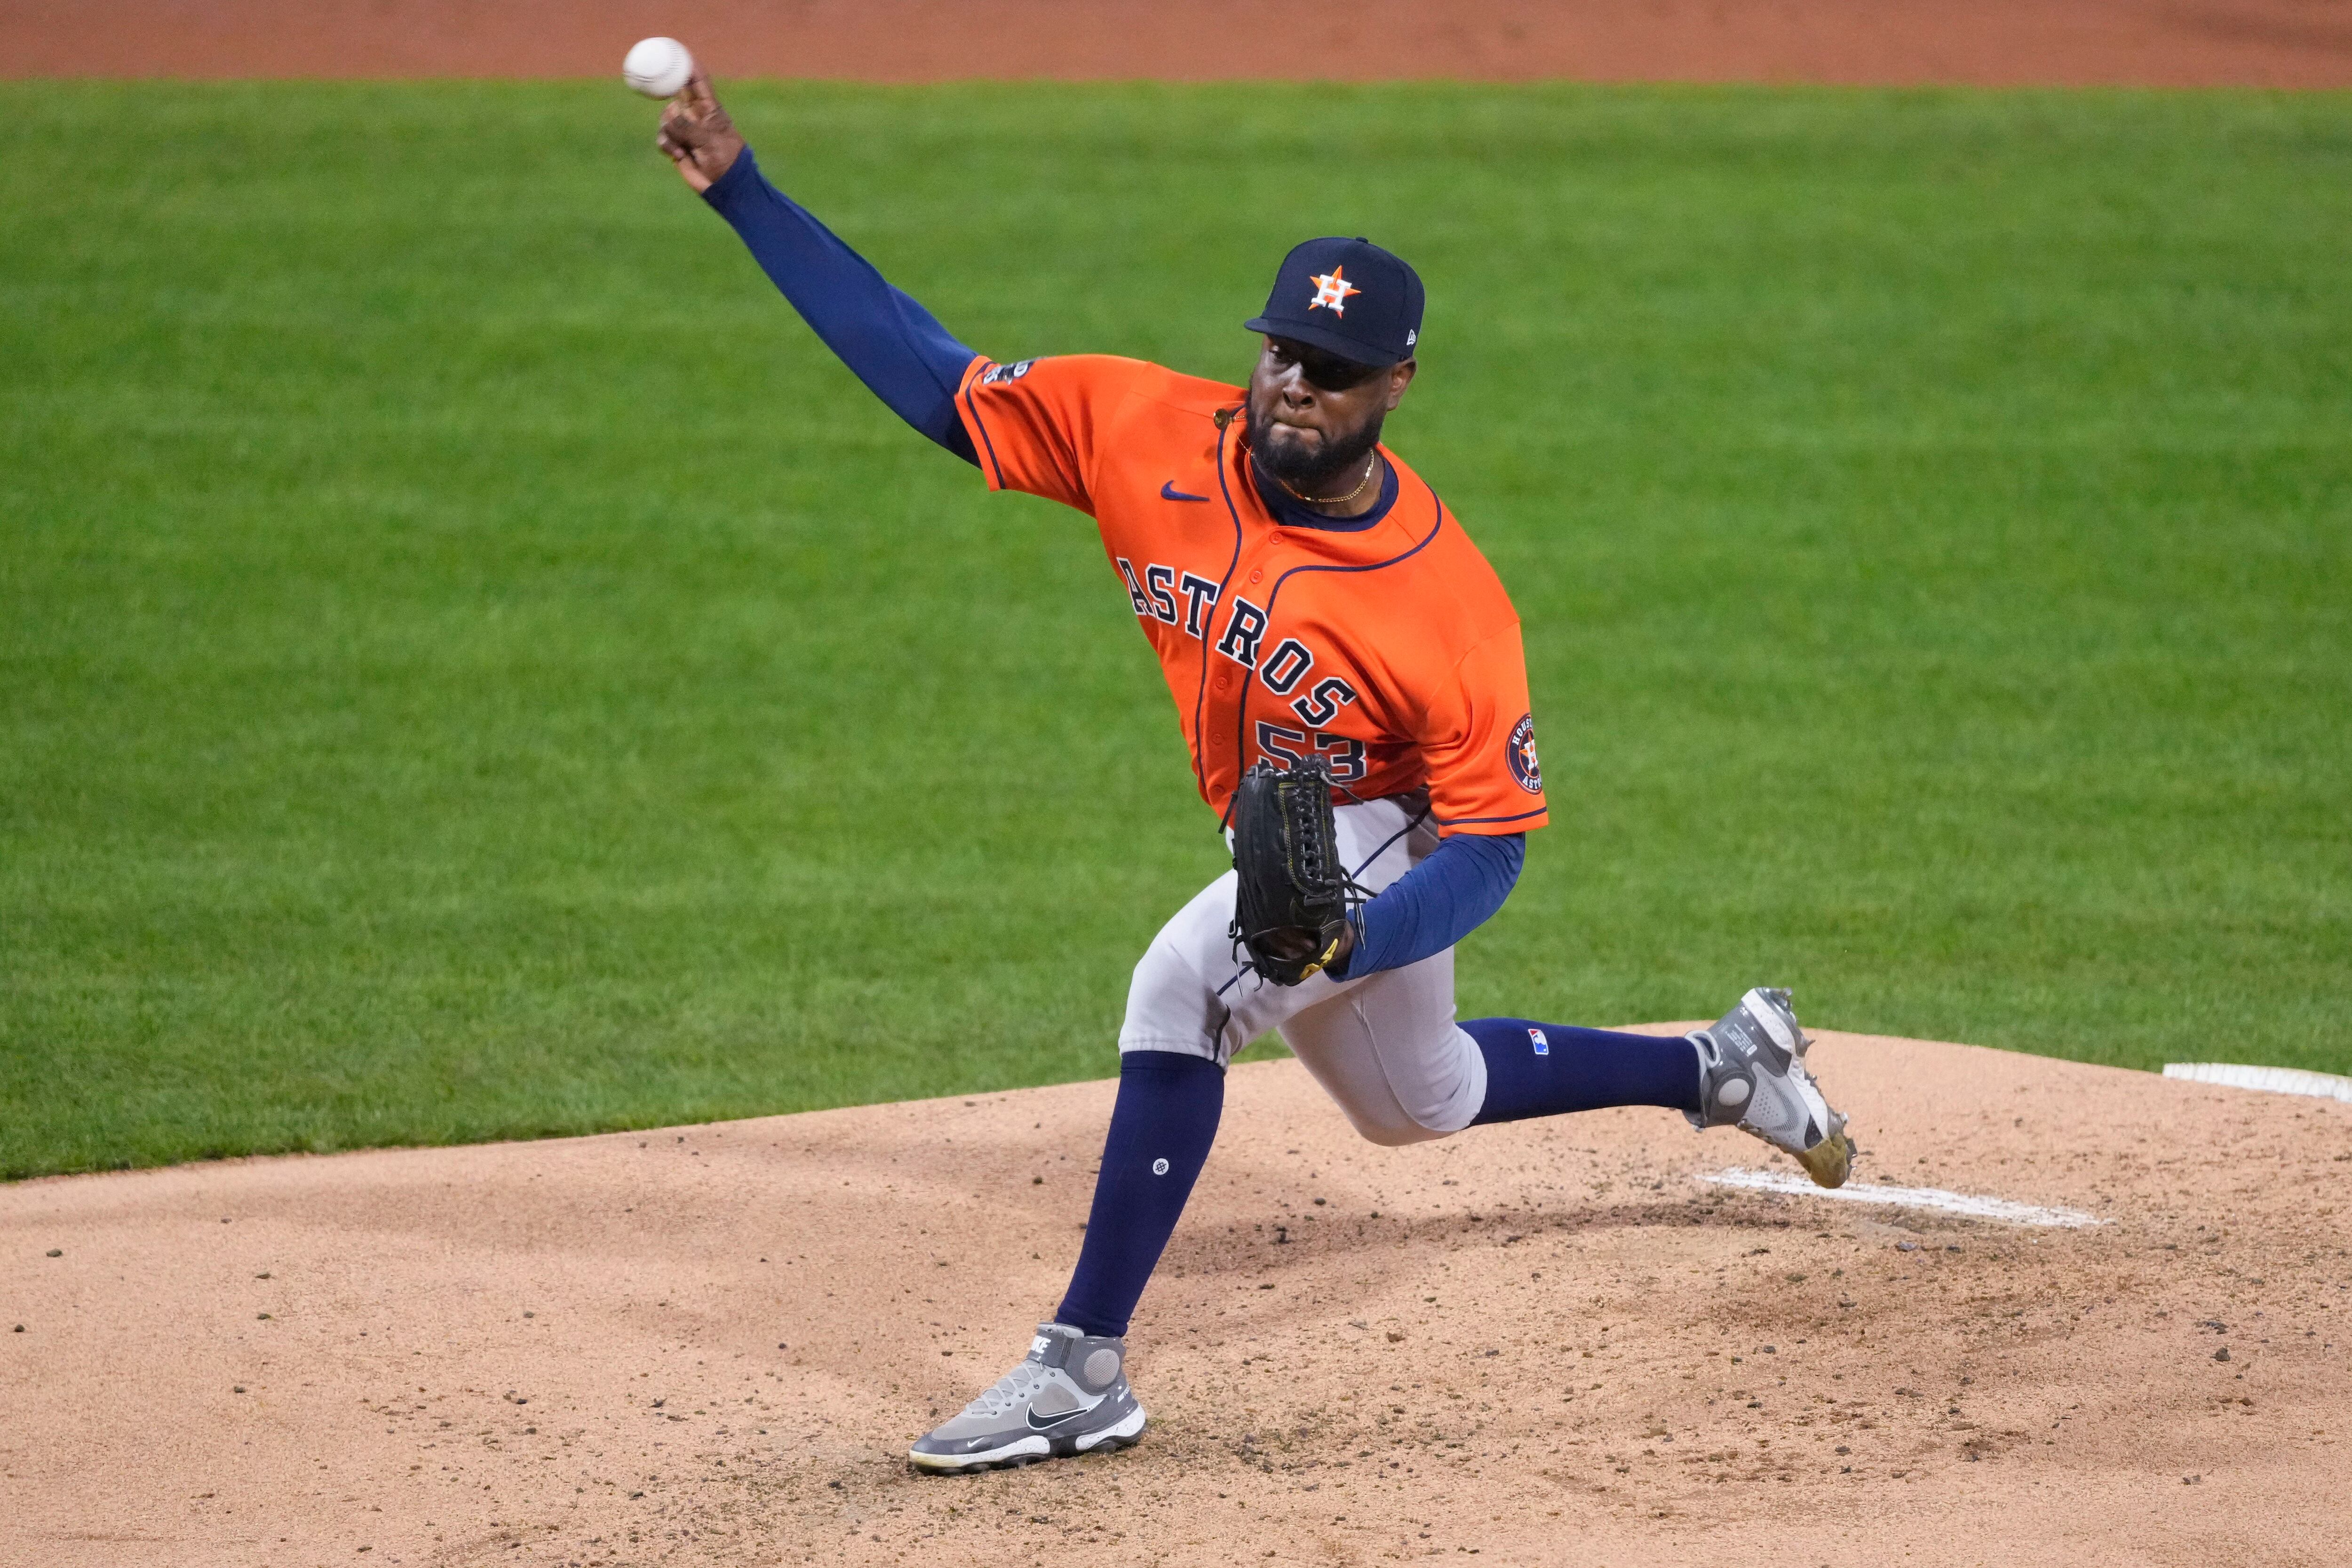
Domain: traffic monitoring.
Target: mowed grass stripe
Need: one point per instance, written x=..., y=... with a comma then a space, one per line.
x=471, y=666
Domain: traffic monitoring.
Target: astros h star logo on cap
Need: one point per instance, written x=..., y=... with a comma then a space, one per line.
x=1332, y=288
x=1345, y=297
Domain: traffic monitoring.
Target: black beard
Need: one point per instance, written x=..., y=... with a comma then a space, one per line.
x=1309, y=472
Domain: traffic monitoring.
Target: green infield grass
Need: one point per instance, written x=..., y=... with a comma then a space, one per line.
x=472, y=666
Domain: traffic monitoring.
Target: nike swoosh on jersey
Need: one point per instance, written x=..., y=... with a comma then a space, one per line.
x=1169, y=492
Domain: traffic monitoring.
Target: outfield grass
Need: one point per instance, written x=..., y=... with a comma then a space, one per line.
x=471, y=667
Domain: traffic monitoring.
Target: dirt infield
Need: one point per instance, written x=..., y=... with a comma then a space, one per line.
x=1548, y=1343
x=2174, y=43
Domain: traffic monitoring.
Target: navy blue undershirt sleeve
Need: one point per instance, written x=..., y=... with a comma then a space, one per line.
x=888, y=341
x=1436, y=904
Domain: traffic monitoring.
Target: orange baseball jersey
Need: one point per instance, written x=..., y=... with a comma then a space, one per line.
x=1391, y=653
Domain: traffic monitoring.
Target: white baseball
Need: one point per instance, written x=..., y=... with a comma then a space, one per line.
x=658, y=68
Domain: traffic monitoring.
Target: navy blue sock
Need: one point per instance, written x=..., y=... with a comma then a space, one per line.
x=1544, y=1069
x=1160, y=1131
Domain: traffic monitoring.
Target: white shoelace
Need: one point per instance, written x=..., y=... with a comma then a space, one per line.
x=1012, y=1389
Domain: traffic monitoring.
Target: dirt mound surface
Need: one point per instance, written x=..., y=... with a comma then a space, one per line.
x=1548, y=1343
x=2178, y=43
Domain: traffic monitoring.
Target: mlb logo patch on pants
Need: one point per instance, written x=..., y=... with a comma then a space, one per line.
x=1536, y=1037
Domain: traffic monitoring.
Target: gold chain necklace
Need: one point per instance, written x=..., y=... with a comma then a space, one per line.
x=1371, y=461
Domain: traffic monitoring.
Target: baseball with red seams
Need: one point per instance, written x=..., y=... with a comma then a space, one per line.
x=658, y=68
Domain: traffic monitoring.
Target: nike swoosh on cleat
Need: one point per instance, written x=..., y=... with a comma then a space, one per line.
x=1169, y=492
x=1037, y=1425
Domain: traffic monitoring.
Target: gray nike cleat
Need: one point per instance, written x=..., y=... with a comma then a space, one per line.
x=1752, y=1072
x=1069, y=1396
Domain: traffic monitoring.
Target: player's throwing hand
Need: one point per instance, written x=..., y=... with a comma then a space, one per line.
x=698, y=134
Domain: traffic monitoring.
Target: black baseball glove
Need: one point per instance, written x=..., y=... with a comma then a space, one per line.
x=1291, y=907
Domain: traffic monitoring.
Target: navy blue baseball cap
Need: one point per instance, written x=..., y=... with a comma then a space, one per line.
x=1347, y=296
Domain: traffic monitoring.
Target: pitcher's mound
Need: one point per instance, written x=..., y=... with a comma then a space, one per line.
x=1548, y=1343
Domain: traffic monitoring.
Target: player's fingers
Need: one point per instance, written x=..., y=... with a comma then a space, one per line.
x=682, y=158
x=698, y=92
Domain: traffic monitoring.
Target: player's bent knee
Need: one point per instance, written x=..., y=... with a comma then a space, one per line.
x=1396, y=1135
x=1168, y=1009
x=1400, y=1138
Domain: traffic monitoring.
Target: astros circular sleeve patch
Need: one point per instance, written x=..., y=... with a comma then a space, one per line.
x=1521, y=749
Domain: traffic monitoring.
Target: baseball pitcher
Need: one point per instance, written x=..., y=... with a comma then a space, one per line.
x=1347, y=670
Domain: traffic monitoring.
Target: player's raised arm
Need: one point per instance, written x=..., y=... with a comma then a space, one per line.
x=890, y=342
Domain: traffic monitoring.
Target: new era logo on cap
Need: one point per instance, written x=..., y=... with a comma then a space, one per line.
x=1346, y=297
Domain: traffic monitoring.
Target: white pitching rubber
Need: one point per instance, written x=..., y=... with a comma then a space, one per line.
x=2269, y=1080
x=1968, y=1205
